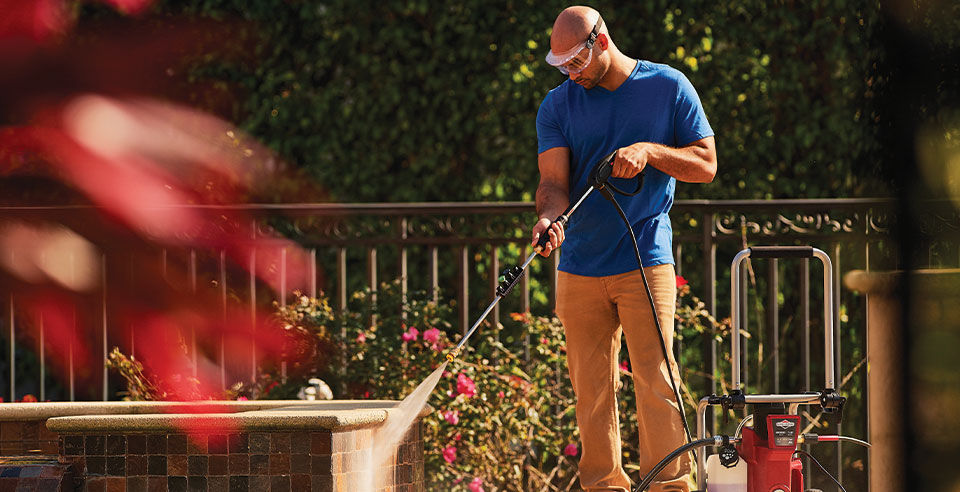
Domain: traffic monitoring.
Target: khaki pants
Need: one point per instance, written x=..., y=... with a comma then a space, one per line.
x=594, y=311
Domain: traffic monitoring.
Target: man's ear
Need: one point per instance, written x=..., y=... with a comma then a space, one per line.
x=603, y=41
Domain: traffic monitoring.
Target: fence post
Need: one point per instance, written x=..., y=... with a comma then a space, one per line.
x=708, y=237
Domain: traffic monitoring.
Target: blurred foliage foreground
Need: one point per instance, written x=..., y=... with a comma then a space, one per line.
x=503, y=415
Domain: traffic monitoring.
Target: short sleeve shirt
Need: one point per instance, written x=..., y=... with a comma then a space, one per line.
x=655, y=104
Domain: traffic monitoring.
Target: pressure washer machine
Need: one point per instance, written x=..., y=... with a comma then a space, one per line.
x=764, y=456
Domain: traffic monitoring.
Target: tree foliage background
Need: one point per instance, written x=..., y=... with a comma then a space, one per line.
x=410, y=100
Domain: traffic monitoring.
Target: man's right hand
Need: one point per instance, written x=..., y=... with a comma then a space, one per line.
x=555, y=233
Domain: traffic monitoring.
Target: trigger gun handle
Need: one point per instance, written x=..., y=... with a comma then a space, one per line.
x=545, y=236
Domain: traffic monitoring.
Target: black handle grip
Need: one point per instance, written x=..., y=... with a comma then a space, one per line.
x=545, y=236
x=781, y=251
x=602, y=170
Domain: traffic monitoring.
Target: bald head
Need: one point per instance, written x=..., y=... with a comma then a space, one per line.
x=572, y=27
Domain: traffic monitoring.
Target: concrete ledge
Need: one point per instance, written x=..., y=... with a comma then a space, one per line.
x=337, y=415
x=44, y=410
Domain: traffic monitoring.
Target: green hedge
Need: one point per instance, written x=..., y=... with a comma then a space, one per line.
x=409, y=100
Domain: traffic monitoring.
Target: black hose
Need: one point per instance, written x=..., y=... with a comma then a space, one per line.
x=656, y=319
x=824, y=470
x=669, y=458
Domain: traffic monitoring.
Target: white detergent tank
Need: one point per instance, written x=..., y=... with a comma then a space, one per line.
x=723, y=479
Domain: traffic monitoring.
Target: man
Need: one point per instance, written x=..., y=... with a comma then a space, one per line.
x=651, y=115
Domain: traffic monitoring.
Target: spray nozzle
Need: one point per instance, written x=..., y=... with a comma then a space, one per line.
x=508, y=280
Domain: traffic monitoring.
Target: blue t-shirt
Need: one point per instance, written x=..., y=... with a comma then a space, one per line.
x=655, y=104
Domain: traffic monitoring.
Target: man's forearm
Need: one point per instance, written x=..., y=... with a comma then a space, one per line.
x=691, y=164
x=552, y=200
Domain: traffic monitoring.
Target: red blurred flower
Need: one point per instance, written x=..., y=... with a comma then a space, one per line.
x=130, y=6
x=466, y=386
x=476, y=485
x=452, y=417
x=450, y=454
x=34, y=19
x=681, y=281
x=273, y=384
x=410, y=335
x=624, y=366
x=571, y=450
x=362, y=337
x=28, y=398
x=431, y=336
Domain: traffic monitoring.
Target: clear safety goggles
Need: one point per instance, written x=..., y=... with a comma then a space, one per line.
x=576, y=59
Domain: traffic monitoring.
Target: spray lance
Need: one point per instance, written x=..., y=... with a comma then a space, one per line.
x=511, y=276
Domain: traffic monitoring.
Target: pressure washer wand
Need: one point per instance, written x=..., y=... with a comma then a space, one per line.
x=512, y=276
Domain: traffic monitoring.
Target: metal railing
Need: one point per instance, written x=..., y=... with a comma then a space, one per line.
x=346, y=245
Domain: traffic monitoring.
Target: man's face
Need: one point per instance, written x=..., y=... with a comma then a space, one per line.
x=592, y=72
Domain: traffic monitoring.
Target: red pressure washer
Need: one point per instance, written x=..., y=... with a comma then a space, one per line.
x=766, y=456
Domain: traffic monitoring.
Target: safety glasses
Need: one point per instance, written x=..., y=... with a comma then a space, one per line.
x=577, y=59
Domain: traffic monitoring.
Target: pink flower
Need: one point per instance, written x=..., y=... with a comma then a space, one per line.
x=544, y=341
x=476, y=485
x=130, y=6
x=466, y=386
x=500, y=394
x=431, y=336
x=571, y=450
x=457, y=436
x=410, y=335
x=452, y=417
x=362, y=337
x=681, y=281
x=241, y=398
x=624, y=366
x=450, y=454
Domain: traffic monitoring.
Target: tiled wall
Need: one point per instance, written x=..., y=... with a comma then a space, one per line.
x=26, y=437
x=238, y=462
x=36, y=477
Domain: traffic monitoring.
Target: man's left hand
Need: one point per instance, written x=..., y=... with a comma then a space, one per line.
x=630, y=160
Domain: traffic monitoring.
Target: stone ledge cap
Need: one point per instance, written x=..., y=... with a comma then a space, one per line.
x=46, y=410
x=336, y=415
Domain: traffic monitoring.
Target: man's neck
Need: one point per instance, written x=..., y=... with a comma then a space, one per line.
x=620, y=68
